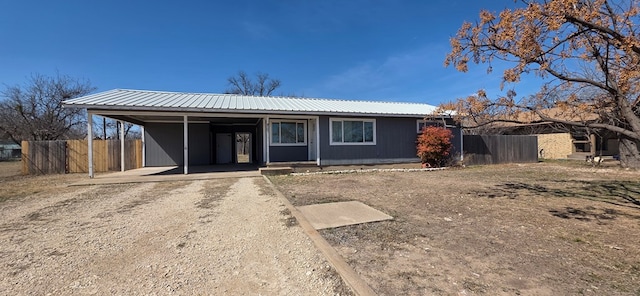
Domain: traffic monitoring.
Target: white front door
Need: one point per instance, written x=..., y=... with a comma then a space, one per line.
x=224, y=148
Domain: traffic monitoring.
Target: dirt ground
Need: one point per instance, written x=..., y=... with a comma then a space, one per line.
x=558, y=228
x=208, y=237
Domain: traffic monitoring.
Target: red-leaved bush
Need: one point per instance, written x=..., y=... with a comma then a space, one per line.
x=434, y=145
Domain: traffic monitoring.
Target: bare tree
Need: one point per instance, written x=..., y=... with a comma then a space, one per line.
x=34, y=111
x=242, y=84
x=108, y=128
x=579, y=45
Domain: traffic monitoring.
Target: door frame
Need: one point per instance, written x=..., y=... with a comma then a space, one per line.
x=250, y=147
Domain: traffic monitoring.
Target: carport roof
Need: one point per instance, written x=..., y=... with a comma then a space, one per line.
x=144, y=100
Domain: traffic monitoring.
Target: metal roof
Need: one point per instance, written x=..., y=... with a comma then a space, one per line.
x=143, y=100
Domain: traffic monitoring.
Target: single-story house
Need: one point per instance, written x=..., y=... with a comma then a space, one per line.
x=9, y=150
x=191, y=129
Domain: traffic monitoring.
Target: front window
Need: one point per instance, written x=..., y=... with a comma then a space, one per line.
x=288, y=133
x=421, y=124
x=352, y=131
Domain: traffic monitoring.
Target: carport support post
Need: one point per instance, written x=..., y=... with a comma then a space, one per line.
x=185, y=123
x=144, y=147
x=318, y=141
x=90, y=142
x=121, y=145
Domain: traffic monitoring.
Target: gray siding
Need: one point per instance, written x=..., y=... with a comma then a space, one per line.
x=395, y=142
x=259, y=143
x=164, y=144
x=288, y=153
x=199, y=144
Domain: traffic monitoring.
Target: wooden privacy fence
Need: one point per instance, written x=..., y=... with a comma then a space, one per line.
x=499, y=149
x=71, y=156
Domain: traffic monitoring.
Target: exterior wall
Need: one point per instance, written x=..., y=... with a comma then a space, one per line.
x=164, y=144
x=199, y=149
x=554, y=146
x=395, y=142
x=288, y=153
x=283, y=153
x=259, y=140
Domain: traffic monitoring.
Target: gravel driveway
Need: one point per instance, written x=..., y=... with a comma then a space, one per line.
x=224, y=236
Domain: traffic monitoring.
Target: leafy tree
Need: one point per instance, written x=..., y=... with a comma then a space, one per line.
x=434, y=145
x=242, y=84
x=34, y=111
x=587, y=50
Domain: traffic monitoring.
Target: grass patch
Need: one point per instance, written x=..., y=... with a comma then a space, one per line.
x=530, y=228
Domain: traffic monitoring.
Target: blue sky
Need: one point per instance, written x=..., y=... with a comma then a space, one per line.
x=356, y=49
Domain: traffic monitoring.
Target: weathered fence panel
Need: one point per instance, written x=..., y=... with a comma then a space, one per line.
x=49, y=157
x=44, y=157
x=77, y=155
x=497, y=149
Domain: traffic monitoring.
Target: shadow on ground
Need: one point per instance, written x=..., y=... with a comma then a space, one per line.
x=209, y=169
x=619, y=193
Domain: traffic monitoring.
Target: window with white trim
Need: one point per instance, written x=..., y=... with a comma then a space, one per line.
x=288, y=132
x=421, y=123
x=348, y=131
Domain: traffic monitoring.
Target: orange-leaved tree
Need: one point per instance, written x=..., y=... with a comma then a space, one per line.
x=587, y=50
x=434, y=145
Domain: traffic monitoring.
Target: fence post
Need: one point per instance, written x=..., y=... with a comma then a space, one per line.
x=25, y=157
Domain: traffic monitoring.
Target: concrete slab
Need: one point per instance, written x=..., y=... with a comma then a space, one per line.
x=276, y=171
x=337, y=214
x=171, y=173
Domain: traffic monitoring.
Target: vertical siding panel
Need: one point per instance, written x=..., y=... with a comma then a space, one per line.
x=164, y=144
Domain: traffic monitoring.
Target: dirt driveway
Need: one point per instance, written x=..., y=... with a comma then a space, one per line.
x=224, y=236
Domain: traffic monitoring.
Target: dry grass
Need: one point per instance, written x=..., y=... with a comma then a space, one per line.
x=10, y=168
x=14, y=185
x=537, y=229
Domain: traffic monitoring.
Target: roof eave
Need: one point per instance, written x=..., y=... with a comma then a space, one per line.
x=239, y=111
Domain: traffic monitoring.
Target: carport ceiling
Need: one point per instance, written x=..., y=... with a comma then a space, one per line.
x=142, y=119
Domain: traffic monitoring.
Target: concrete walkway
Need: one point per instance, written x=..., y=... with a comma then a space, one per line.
x=172, y=173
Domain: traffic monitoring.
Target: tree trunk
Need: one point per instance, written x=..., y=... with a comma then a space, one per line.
x=629, y=154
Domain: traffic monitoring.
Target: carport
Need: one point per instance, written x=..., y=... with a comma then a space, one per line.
x=183, y=129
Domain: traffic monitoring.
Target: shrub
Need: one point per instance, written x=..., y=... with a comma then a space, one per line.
x=434, y=145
